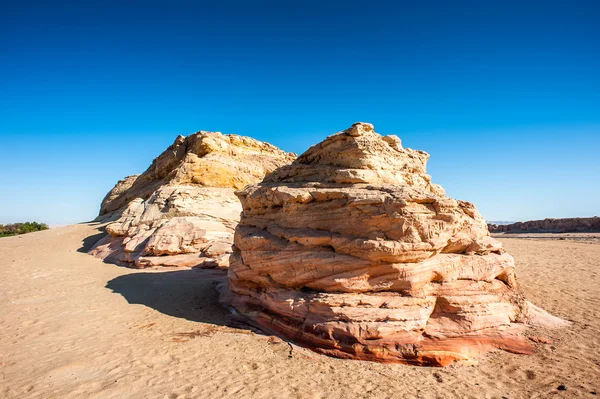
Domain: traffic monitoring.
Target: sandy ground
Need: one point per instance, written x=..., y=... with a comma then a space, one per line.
x=74, y=327
x=592, y=238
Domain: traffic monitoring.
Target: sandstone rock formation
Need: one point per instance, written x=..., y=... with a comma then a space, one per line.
x=353, y=252
x=566, y=225
x=182, y=211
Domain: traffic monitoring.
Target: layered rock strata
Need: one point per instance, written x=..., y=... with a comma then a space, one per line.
x=353, y=252
x=182, y=210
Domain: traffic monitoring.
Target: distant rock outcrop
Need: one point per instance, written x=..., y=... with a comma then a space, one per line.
x=182, y=211
x=566, y=225
x=353, y=252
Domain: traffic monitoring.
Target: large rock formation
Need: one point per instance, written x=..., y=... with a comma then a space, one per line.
x=182, y=211
x=566, y=225
x=353, y=252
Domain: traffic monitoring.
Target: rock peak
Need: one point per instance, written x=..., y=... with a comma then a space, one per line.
x=359, y=155
x=359, y=129
x=203, y=159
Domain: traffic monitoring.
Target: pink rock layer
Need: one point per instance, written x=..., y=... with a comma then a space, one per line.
x=353, y=252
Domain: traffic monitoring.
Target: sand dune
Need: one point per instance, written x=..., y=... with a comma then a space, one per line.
x=74, y=327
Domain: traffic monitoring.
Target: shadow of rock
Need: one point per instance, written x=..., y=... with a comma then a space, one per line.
x=88, y=242
x=188, y=294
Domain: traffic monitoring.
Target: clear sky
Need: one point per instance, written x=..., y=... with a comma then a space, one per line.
x=504, y=95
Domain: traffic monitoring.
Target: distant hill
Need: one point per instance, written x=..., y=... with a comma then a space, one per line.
x=566, y=225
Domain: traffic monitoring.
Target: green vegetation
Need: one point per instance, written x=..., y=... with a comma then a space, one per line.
x=21, y=228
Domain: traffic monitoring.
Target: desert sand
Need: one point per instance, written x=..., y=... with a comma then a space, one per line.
x=73, y=327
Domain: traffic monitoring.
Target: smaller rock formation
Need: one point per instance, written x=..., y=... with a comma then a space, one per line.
x=182, y=211
x=566, y=225
x=352, y=251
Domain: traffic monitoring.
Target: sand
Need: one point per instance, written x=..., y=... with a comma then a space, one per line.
x=592, y=238
x=74, y=327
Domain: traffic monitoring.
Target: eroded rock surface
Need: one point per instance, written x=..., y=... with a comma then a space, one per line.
x=182, y=211
x=353, y=252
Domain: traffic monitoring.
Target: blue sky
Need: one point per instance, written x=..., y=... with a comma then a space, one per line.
x=505, y=96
